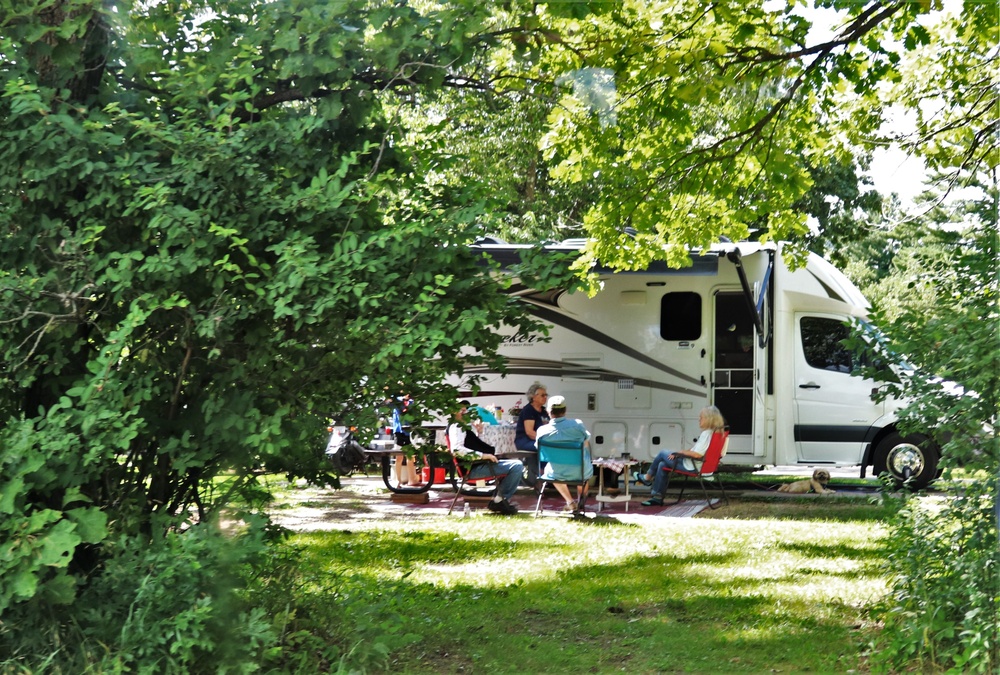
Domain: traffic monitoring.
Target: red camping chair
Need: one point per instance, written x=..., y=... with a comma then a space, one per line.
x=706, y=467
x=463, y=468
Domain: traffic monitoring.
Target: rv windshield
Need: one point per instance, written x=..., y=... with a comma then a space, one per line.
x=877, y=353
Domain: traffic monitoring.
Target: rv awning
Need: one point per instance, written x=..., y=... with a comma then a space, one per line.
x=507, y=255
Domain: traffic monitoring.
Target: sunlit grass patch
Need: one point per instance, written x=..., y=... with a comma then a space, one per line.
x=708, y=594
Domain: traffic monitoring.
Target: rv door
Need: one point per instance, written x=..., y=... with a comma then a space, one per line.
x=734, y=369
x=834, y=410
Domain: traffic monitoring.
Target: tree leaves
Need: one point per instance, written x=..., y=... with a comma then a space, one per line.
x=210, y=251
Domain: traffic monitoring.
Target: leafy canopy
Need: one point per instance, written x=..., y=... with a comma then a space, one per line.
x=211, y=242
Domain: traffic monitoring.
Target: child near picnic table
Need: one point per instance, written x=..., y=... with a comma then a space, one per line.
x=406, y=469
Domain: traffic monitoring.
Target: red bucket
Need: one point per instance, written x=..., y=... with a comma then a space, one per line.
x=439, y=475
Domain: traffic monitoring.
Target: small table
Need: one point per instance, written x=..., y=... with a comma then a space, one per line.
x=618, y=465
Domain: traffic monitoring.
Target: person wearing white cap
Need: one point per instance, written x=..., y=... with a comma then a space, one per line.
x=562, y=428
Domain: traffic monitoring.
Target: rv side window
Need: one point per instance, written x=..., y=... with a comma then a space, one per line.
x=680, y=316
x=822, y=344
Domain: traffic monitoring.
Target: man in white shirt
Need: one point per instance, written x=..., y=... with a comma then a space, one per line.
x=466, y=444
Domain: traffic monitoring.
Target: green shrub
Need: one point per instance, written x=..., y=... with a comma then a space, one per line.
x=943, y=609
x=165, y=605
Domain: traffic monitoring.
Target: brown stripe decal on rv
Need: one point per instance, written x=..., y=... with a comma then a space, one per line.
x=557, y=318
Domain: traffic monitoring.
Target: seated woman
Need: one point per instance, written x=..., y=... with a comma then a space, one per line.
x=465, y=443
x=710, y=420
x=562, y=428
x=529, y=420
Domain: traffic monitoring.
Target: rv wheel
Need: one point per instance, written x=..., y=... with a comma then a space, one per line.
x=911, y=460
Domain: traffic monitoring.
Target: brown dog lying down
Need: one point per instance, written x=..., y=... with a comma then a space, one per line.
x=816, y=484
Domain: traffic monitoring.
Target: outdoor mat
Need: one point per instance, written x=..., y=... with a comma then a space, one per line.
x=686, y=509
x=552, y=505
x=364, y=498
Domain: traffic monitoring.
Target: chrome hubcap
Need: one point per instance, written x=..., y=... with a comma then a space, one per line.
x=905, y=460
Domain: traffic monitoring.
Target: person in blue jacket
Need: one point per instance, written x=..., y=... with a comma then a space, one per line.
x=563, y=428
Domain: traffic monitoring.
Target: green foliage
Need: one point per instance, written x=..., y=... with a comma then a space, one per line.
x=45, y=515
x=948, y=586
x=324, y=622
x=945, y=575
x=845, y=209
x=545, y=269
x=945, y=79
x=945, y=321
x=938, y=301
x=697, y=122
x=210, y=241
x=941, y=308
x=165, y=604
x=487, y=142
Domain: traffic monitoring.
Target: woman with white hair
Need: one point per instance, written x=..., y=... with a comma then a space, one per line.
x=532, y=416
x=710, y=420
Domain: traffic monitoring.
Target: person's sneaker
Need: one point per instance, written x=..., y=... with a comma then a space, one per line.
x=569, y=507
x=503, y=507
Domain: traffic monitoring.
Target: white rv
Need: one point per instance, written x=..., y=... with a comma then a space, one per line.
x=738, y=329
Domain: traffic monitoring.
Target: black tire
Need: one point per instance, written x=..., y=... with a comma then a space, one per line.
x=910, y=460
x=389, y=478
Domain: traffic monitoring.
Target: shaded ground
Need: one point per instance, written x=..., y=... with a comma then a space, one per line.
x=366, y=499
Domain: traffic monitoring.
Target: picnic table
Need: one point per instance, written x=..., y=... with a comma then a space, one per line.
x=437, y=467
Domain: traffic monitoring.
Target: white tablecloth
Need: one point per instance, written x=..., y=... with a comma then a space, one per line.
x=500, y=437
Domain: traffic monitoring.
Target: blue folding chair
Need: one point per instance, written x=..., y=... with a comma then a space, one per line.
x=571, y=463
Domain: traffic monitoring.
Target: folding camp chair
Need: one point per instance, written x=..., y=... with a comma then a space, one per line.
x=573, y=457
x=492, y=481
x=706, y=467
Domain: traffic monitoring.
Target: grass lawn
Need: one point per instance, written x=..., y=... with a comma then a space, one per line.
x=757, y=586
